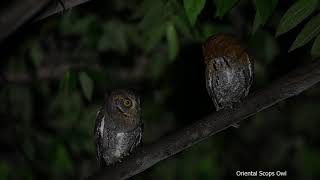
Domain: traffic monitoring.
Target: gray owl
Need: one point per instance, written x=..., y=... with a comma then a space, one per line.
x=118, y=128
x=229, y=70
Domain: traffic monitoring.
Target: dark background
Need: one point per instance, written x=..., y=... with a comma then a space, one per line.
x=58, y=70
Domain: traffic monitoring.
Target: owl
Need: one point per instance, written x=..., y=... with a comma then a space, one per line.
x=118, y=128
x=229, y=70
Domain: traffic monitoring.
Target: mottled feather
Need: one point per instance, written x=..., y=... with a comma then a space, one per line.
x=229, y=70
x=118, y=130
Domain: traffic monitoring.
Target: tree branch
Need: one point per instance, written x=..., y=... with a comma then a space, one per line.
x=15, y=14
x=57, y=7
x=142, y=158
x=44, y=73
x=52, y=72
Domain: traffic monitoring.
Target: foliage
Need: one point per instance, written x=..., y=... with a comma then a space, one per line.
x=193, y=9
x=295, y=14
x=316, y=47
x=264, y=9
x=59, y=72
x=223, y=6
x=310, y=31
x=86, y=85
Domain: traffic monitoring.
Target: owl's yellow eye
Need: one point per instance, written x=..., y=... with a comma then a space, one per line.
x=127, y=103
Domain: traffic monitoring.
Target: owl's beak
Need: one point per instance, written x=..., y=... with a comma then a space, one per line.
x=123, y=111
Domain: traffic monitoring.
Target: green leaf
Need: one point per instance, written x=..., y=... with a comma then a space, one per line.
x=172, y=38
x=223, y=6
x=180, y=18
x=114, y=40
x=152, y=26
x=68, y=83
x=62, y=163
x=295, y=14
x=86, y=85
x=5, y=170
x=193, y=9
x=73, y=24
x=309, y=31
x=207, y=30
x=153, y=36
x=64, y=83
x=153, y=14
x=310, y=161
x=263, y=11
x=36, y=53
x=182, y=26
x=264, y=45
x=315, y=51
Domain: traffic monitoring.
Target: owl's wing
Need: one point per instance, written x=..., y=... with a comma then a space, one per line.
x=125, y=142
x=213, y=79
x=248, y=75
x=98, y=135
x=251, y=71
x=137, y=137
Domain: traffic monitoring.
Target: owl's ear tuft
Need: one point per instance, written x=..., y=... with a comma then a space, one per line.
x=134, y=91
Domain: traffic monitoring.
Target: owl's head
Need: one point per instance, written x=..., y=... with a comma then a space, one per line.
x=224, y=45
x=124, y=105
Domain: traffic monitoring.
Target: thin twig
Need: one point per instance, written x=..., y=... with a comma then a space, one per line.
x=143, y=158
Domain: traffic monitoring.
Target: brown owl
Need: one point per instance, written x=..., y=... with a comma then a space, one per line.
x=229, y=70
x=118, y=128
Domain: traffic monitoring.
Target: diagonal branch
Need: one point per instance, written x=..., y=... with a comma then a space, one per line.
x=143, y=158
x=57, y=7
x=16, y=13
